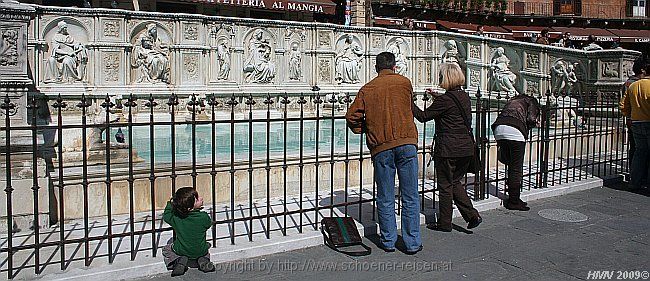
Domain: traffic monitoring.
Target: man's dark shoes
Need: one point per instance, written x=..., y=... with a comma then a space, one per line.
x=387, y=250
x=474, y=223
x=436, y=227
x=180, y=266
x=517, y=201
x=414, y=252
x=516, y=206
x=205, y=264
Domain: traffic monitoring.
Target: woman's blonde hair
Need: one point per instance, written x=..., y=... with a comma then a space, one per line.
x=451, y=76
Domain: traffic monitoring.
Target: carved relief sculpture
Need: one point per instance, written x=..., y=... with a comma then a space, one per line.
x=295, y=60
x=324, y=38
x=501, y=78
x=376, y=42
x=627, y=69
x=324, y=70
x=229, y=29
x=191, y=62
x=475, y=51
x=68, y=59
x=532, y=88
x=348, y=62
x=151, y=57
x=259, y=67
x=300, y=31
x=427, y=72
x=223, y=58
x=9, y=47
x=563, y=77
x=610, y=69
x=396, y=48
x=111, y=66
x=532, y=60
x=474, y=77
x=451, y=53
x=191, y=32
x=111, y=28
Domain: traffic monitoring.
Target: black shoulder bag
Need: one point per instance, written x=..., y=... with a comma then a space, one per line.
x=474, y=164
x=342, y=232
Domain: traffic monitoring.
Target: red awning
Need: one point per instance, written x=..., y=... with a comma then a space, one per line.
x=528, y=31
x=581, y=34
x=387, y=21
x=430, y=25
x=307, y=6
x=632, y=36
x=394, y=22
x=469, y=28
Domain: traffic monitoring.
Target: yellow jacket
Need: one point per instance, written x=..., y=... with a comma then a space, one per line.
x=636, y=101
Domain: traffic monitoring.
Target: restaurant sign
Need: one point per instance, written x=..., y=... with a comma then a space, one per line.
x=318, y=6
x=598, y=38
x=496, y=35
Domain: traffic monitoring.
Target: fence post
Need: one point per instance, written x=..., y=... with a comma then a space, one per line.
x=546, y=126
x=479, y=178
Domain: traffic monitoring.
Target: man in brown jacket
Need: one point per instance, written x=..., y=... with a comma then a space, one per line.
x=382, y=110
x=544, y=38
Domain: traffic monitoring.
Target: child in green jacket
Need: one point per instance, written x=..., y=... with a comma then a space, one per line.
x=183, y=213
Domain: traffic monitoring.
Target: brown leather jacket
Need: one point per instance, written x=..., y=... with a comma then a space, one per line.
x=452, y=136
x=382, y=110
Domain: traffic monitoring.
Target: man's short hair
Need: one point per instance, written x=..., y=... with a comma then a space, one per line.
x=451, y=76
x=639, y=65
x=385, y=60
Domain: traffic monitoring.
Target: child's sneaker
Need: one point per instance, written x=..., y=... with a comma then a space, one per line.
x=180, y=266
x=205, y=264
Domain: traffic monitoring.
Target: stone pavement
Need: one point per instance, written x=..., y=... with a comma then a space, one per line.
x=508, y=245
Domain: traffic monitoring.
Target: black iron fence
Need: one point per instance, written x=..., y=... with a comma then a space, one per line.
x=88, y=176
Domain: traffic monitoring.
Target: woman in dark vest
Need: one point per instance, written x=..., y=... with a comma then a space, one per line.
x=454, y=146
x=511, y=128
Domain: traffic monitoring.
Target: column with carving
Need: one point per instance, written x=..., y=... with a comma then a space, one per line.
x=23, y=182
x=14, y=79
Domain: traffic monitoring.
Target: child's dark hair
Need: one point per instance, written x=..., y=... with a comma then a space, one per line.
x=183, y=201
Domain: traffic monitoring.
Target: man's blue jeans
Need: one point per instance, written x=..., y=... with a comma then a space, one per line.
x=641, y=156
x=402, y=159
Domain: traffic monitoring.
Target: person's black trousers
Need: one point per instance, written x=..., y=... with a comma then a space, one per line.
x=449, y=172
x=511, y=153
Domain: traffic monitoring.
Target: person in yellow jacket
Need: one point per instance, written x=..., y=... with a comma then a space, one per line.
x=636, y=106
